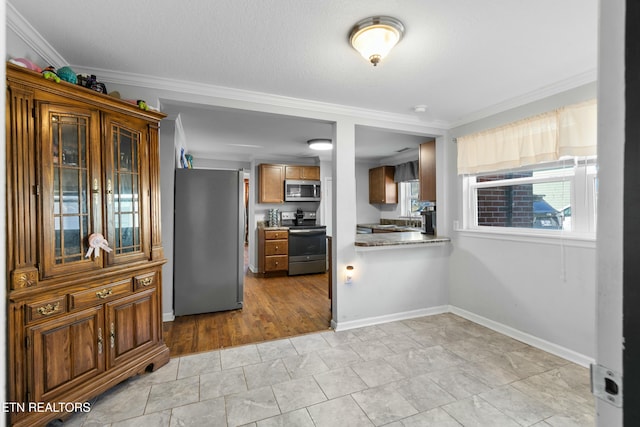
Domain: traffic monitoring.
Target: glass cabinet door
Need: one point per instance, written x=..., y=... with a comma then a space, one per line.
x=126, y=191
x=70, y=188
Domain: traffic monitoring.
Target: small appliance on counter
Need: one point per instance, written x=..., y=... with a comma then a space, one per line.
x=307, y=242
x=429, y=219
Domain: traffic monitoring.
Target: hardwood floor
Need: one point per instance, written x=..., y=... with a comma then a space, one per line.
x=274, y=307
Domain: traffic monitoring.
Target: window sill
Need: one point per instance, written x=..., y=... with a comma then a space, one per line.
x=548, y=237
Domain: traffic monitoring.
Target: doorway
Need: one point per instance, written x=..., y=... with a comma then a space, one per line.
x=273, y=308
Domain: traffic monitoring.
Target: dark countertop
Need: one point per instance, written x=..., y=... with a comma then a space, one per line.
x=389, y=227
x=398, y=239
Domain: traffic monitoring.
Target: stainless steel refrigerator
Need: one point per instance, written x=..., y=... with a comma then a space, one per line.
x=208, y=272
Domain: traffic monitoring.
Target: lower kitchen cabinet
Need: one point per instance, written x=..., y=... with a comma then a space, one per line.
x=273, y=250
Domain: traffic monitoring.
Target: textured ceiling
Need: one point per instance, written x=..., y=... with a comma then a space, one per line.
x=458, y=57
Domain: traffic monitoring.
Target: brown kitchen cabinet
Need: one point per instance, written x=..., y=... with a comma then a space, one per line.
x=271, y=183
x=311, y=173
x=382, y=188
x=79, y=163
x=427, y=168
x=273, y=250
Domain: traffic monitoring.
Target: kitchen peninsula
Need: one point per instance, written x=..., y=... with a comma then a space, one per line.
x=397, y=239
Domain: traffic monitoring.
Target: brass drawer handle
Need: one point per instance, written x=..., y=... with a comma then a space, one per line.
x=49, y=309
x=104, y=293
x=146, y=281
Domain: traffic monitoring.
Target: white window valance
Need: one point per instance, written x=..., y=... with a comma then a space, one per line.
x=568, y=131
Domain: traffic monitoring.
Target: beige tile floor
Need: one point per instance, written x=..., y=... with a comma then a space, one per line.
x=437, y=370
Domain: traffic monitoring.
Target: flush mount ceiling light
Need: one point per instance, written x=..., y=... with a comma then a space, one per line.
x=320, y=144
x=374, y=37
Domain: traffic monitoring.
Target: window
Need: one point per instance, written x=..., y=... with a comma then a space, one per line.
x=537, y=173
x=410, y=205
x=554, y=196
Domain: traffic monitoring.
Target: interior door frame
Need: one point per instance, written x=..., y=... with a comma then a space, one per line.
x=631, y=221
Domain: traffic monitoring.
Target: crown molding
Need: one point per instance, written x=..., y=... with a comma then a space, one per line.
x=33, y=38
x=201, y=89
x=573, y=82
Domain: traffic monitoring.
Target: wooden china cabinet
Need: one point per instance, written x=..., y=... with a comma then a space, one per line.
x=79, y=164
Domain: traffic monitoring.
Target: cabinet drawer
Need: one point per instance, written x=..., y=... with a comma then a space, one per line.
x=276, y=263
x=144, y=280
x=98, y=294
x=46, y=308
x=276, y=247
x=275, y=234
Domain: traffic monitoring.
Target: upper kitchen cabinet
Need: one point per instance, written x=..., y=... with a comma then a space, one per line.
x=311, y=173
x=271, y=183
x=271, y=179
x=82, y=171
x=427, y=167
x=382, y=188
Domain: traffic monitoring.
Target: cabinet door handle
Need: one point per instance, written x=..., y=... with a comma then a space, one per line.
x=109, y=191
x=99, y=340
x=95, y=191
x=48, y=309
x=104, y=293
x=112, y=335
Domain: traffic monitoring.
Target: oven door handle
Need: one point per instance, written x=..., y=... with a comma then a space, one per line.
x=308, y=232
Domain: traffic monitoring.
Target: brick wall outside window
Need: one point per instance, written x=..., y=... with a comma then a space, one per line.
x=508, y=206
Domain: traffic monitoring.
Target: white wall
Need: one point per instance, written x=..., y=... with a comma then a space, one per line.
x=202, y=163
x=391, y=284
x=545, y=289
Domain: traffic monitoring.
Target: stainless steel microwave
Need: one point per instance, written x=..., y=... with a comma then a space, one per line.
x=301, y=191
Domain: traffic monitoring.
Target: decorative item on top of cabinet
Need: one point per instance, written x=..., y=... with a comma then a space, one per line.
x=427, y=166
x=79, y=163
x=382, y=188
x=311, y=173
x=271, y=183
x=273, y=250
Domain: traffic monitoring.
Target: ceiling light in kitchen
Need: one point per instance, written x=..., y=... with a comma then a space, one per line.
x=320, y=144
x=374, y=37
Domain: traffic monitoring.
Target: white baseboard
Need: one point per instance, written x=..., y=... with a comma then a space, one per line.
x=370, y=321
x=168, y=317
x=534, y=341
